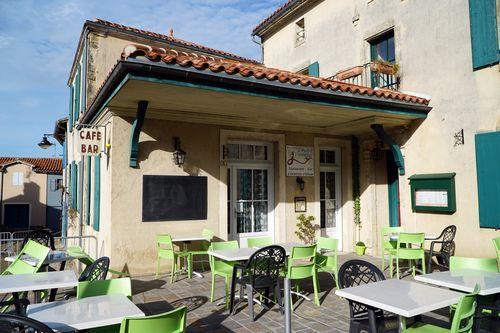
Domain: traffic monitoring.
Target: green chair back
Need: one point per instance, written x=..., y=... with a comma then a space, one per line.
x=121, y=286
x=216, y=264
x=33, y=250
x=82, y=256
x=410, y=245
x=301, y=263
x=385, y=237
x=483, y=264
x=165, y=246
x=464, y=313
x=496, y=243
x=208, y=234
x=171, y=322
x=259, y=241
x=328, y=246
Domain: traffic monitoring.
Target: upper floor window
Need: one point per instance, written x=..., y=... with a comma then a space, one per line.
x=17, y=179
x=382, y=47
x=300, y=32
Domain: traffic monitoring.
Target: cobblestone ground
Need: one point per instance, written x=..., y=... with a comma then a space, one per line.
x=158, y=295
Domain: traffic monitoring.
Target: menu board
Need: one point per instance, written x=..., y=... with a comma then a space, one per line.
x=431, y=197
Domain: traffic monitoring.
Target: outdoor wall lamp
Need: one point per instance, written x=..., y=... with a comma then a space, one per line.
x=45, y=143
x=301, y=183
x=179, y=154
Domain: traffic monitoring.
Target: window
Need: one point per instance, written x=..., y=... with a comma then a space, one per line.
x=248, y=152
x=300, y=32
x=17, y=179
x=382, y=47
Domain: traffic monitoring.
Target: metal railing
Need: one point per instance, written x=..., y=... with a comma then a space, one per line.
x=372, y=74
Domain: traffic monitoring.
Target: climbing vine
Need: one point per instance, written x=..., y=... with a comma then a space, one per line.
x=355, y=184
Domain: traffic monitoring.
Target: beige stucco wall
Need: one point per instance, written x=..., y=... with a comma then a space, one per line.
x=33, y=191
x=433, y=51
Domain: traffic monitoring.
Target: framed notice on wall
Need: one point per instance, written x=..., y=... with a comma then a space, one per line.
x=433, y=193
x=299, y=161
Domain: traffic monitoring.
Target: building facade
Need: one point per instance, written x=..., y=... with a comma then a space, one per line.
x=30, y=193
x=194, y=138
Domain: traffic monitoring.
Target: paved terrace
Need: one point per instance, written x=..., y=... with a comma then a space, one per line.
x=158, y=295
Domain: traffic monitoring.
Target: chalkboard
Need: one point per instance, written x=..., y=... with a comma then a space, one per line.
x=174, y=198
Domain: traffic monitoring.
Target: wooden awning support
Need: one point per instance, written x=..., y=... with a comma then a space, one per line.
x=136, y=131
x=395, y=149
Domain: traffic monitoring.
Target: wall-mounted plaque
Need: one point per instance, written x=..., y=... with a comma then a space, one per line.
x=299, y=161
x=433, y=193
x=300, y=204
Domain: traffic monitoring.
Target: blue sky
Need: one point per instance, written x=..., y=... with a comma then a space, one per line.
x=38, y=40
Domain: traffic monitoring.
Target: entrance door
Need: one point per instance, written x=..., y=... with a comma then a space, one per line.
x=250, y=198
x=17, y=216
x=330, y=193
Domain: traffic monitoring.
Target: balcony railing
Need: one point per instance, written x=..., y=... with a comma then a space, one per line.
x=373, y=74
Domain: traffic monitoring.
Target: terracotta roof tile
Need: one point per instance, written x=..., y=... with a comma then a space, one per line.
x=167, y=38
x=258, y=71
x=39, y=164
x=275, y=14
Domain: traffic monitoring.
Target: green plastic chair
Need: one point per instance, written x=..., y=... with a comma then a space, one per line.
x=304, y=269
x=222, y=268
x=78, y=253
x=259, y=241
x=483, y=264
x=121, y=286
x=410, y=246
x=327, y=258
x=166, y=251
x=31, y=249
x=463, y=319
x=496, y=242
x=208, y=234
x=169, y=322
x=388, y=246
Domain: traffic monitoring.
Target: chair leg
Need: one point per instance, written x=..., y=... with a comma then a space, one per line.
x=226, y=286
x=397, y=268
x=190, y=266
x=250, y=300
x=372, y=321
x=173, y=270
x=316, y=288
x=391, y=266
x=277, y=293
x=423, y=264
x=231, y=296
x=212, y=290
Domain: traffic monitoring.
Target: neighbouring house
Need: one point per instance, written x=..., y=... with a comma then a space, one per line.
x=168, y=136
x=30, y=193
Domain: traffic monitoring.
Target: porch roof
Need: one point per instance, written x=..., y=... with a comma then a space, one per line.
x=234, y=93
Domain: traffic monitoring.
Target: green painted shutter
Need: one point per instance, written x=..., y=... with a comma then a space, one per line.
x=74, y=184
x=88, y=177
x=314, y=69
x=70, y=120
x=77, y=92
x=97, y=191
x=488, y=178
x=484, y=33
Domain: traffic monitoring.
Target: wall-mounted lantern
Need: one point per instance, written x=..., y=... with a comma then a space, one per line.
x=301, y=183
x=179, y=154
x=45, y=143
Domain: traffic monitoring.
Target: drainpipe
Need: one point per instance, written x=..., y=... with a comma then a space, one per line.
x=259, y=42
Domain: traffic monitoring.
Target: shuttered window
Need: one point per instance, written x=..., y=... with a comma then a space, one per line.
x=313, y=69
x=97, y=191
x=488, y=178
x=88, y=180
x=484, y=33
x=74, y=182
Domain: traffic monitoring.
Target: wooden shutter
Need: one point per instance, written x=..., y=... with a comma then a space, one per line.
x=314, y=69
x=71, y=105
x=488, y=178
x=484, y=33
x=74, y=182
x=97, y=191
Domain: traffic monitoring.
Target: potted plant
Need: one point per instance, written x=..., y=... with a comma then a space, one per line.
x=360, y=248
x=306, y=229
x=384, y=67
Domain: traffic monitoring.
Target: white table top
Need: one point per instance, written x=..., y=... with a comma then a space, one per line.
x=464, y=280
x=188, y=238
x=394, y=237
x=245, y=253
x=85, y=313
x=52, y=257
x=404, y=298
x=37, y=281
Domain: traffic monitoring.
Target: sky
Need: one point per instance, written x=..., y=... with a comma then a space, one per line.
x=38, y=41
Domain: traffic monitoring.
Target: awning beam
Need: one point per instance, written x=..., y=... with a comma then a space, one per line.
x=395, y=149
x=136, y=131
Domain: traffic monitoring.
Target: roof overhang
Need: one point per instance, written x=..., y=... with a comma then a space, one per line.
x=187, y=94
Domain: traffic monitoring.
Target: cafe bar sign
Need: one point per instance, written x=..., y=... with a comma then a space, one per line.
x=299, y=161
x=89, y=141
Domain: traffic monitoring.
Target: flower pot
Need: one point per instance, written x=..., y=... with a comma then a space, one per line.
x=360, y=250
x=349, y=73
x=380, y=67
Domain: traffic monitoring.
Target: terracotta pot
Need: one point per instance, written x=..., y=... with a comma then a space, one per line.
x=349, y=73
x=381, y=68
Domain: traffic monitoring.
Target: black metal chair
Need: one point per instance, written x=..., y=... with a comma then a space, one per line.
x=14, y=323
x=260, y=273
x=20, y=304
x=358, y=272
x=41, y=236
x=447, y=249
x=95, y=271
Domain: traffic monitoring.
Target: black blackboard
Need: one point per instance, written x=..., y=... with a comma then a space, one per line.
x=174, y=198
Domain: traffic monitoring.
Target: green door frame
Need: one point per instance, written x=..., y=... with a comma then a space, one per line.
x=393, y=190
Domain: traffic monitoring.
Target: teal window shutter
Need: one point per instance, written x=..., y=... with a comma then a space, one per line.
x=77, y=92
x=71, y=103
x=88, y=179
x=97, y=191
x=74, y=184
x=488, y=178
x=313, y=69
x=79, y=186
x=484, y=33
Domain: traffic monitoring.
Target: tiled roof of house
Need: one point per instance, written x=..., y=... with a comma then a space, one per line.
x=259, y=72
x=167, y=38
x=39, y=164
x=281, y=10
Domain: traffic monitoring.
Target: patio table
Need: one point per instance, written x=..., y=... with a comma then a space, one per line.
x=185, y=241
x=464, y=280
x=85, y=313
x=243, y=254
x=394, y=237
x=403, y=298
x=35, y=282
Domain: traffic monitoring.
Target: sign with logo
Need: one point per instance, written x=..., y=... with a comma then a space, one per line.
x=299, y=161
x=89, y=141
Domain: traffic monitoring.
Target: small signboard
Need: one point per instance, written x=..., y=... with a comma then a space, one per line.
x=433, y=193
x=299, y=161
x=89, y=141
